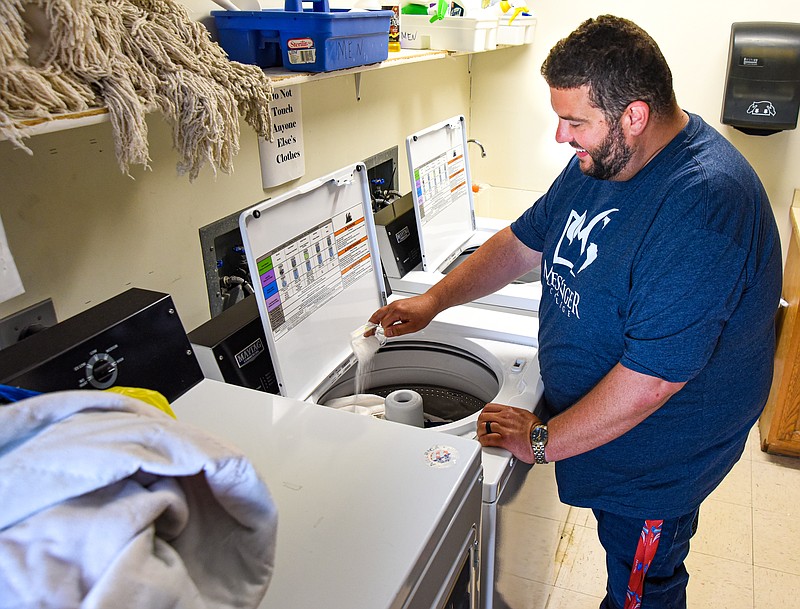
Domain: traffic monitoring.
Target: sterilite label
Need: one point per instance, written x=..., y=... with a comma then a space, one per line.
x=300, y=43
x=301, y=51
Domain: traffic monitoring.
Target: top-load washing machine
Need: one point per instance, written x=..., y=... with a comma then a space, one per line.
x=370, y=515
x=441, y=188
x=314, y=253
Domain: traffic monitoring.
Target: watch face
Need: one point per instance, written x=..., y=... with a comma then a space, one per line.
x=539, y=434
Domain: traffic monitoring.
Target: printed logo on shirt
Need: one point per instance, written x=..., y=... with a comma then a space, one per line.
x=576, y=251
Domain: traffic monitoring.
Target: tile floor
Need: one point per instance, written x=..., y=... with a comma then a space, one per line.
x=745, y=554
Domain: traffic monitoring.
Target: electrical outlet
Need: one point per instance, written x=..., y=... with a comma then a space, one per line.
x=22, y=324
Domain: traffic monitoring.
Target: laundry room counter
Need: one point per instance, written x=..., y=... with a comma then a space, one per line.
x=779, y=425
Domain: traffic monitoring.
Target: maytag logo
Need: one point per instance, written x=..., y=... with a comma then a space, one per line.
x=403, y=234
x=249, y=353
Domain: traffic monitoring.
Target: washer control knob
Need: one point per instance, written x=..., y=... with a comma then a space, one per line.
x=101, y=371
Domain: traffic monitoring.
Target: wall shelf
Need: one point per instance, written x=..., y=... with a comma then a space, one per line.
x=61, y=122
x=285, y=78
x=280, y=78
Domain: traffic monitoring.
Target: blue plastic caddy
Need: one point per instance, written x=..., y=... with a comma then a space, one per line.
x=310, y=40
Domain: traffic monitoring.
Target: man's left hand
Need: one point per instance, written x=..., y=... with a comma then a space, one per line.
x=507, y=427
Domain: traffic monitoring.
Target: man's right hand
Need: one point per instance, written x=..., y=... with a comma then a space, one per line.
x=496, y=263
x=406, y=315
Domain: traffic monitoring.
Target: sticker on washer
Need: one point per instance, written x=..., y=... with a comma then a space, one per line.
x=301, y=50
x=441, y=456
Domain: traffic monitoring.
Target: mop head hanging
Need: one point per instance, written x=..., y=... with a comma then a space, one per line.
x=132, y=57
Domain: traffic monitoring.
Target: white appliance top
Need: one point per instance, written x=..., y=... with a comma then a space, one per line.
x=442, y=190
x=523, y=298
x=361, y=502
x=315, y=254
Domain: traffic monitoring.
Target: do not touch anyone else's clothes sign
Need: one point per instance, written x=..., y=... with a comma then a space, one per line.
x=283, y=158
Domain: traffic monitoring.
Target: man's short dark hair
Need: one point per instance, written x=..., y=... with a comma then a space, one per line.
x=619, y=62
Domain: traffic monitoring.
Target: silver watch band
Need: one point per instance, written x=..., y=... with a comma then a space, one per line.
x=539, y=438
x=538, y=453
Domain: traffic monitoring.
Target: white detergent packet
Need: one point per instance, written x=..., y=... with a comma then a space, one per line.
x=378, y=335
x=364, y=348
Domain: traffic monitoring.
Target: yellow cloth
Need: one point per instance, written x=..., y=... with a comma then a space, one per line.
x=148, y=396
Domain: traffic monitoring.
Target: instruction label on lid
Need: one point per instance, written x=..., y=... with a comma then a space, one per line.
x=440, y=182
x=304, y=273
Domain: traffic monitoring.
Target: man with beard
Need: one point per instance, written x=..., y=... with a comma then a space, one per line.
x=661, y=275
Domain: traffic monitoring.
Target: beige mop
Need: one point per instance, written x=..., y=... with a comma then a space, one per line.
x=132, y=57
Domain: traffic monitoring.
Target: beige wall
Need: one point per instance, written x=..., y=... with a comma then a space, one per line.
x=511, y=111
x=81, y=232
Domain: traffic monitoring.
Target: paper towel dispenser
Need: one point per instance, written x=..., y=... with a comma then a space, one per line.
x=762, y=87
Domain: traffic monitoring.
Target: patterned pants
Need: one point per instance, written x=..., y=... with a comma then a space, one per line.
x=644, y=559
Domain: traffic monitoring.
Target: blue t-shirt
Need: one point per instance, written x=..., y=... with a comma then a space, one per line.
x=675, y=273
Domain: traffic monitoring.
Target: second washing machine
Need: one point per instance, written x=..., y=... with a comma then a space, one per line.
x=314, y=254
x=449, y=231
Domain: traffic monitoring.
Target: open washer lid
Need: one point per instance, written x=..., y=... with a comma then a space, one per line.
x=442, y=190
x=314, y=252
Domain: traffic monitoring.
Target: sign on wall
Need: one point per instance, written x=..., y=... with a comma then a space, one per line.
x=283, y=158
x=10, y=282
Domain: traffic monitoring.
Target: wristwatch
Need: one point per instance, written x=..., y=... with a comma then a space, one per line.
x=538, y=442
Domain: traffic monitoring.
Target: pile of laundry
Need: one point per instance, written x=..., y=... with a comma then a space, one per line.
x=132, y=57
x=106, y=501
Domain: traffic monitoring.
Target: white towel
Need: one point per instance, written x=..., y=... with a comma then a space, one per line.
x=105, y=501
x=361, y=403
